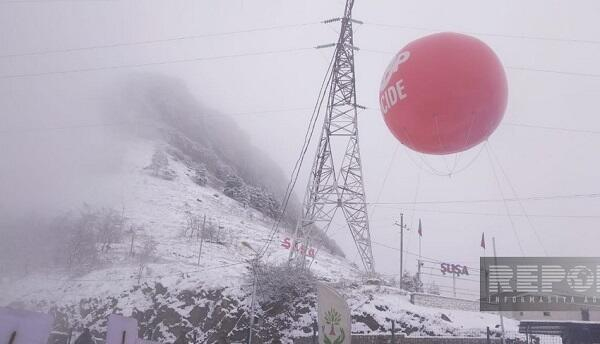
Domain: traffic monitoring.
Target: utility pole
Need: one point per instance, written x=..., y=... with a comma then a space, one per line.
x=419, y=266
x=254, y=263
x=132, y=230
x=251, y=327
x=201, y=239
x=454, y=284
x=402, y=228
x=499, y=291
x=330, y=188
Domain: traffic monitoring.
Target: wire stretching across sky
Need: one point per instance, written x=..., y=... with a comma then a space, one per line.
x=458, y=212
x=586, y=196
x=250, y=30
x=155, y=41
x=375, y=109
x=490, y=34
x=516, y=68
x=248, y=54
x=228, y=33
x=423, y=258
x=287, y=51
x=299, y=162
x=267, y=112
x=157, y=63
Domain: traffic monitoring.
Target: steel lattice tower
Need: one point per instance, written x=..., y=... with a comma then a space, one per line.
x=329, y=189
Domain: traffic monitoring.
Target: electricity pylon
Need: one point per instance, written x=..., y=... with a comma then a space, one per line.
x=329, y=189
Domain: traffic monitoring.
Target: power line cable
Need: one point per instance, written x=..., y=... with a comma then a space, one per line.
x=517, y=68
x=414, y=204
x=513, y=199
x=296, y=171
x=552, y=71
x=147, y=64
x=267, y=112
x=423, y=258
x=307, y=139
x=537, y=236
x=385, y=178
x=153, y=41
x=512, y=224
x=525, y=125
x=533, y=126
x=524, y=37
x=272, y=52
x=434, y=171
x=139, y=122
x=559, y=216
x=473, y=290
x=450, y=276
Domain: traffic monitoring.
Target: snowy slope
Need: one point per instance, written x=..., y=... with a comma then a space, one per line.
x=160, y=207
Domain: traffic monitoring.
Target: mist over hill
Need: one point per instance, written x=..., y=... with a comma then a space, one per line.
x=73, y=178
x=204, y=135
x=209, y=139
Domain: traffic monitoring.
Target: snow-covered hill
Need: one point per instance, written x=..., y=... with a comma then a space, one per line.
x=179, y=292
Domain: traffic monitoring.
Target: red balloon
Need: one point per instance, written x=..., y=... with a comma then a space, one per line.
x=443, y=93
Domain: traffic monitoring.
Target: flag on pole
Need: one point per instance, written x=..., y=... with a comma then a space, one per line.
x=333, y=316
x=420, y=229
x=483, y=240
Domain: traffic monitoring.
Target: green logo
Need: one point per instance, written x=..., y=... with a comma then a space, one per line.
x=332, y=319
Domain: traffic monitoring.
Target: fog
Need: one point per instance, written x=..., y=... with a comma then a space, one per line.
x=269, y=96
x=55, y=149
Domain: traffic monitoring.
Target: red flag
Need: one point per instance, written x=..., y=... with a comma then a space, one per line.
x=483, y=240
x=420, y=229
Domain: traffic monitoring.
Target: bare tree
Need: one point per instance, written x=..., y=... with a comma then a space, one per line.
x=146, y=255
x=193, y=225
x=80, y=240
x=109, y=227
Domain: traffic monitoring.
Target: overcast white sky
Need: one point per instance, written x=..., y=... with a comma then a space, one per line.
x=537, y=162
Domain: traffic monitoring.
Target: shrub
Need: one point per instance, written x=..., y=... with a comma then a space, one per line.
x=410, y=282
x=282, y=283
x=159, y=166
x=264, y=201
x=201, y=175
x=236, y=188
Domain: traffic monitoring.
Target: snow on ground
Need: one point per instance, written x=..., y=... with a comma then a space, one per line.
x=386, y=303
x=161, y=206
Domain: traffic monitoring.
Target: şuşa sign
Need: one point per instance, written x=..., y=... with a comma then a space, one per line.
x=298, y=247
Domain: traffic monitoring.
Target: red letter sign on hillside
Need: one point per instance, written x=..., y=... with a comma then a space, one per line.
x=299, y=247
